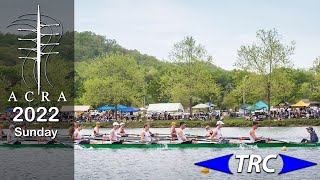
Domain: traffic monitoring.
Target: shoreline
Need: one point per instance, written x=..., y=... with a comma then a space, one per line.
x=229, y=122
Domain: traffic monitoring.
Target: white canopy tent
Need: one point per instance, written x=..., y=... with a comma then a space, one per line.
x=162, y=107
x=201, y=106
x=77, y=108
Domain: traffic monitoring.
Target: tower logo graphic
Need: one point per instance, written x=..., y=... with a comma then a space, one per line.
x=36, y=24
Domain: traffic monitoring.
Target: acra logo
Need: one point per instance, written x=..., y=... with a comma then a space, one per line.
x=44, y=43
x=254, y=162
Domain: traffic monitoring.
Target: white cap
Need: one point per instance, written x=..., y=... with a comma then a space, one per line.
x=220, y=122
x=122, y=123
x=115, y=124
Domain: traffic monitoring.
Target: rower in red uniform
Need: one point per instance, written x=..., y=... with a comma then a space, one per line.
x=173, y=131
x=122, y=133
x=209, y=131
x=2, y=134
x=96, y=131
x=72, y=128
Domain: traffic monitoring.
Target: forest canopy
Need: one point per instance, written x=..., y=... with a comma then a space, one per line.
x=107, y=73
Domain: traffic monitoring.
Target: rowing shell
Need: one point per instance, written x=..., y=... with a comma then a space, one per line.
x=35, y=145
x=199, y=145
x=169, y=145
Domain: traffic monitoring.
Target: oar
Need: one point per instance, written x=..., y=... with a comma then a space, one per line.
x=237, y=138
x=206, y=140
x=66, y=144
x=284, y=141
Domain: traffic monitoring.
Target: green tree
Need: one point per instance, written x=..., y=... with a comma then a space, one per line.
x=316, y=65
x=282, y=85
x=247, y=90
x=264, y=56
x=4, y=96
x=111, y=80
x=191, y=79
x=88, y=45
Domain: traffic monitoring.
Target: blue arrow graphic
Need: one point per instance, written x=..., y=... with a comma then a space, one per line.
x=220, y=163
x=292, y=164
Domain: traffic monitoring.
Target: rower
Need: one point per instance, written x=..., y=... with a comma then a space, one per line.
x=313, y=136
x=209, y=130
x=96, y=131
x=181, y=136
x=216, y=135
x=121, y=130
x=146, y=135
x=253, y=137
x=23, y=127
x=11, y=137
x=173, y=131
x=49, y=140
x=113, y=135
x=2, y=134
x=78, y=137
x=72, y=129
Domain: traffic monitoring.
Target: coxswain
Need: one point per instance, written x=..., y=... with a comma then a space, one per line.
x=113, y=135
x=146, y=135
x=96, y=131
x=217, y=135
x=209, y=131
x=173, y=132
x=181, y=135
x=313, y=136
x=78, y=137
x=2, y=134
x=252, y=134
x=11, y=137
x=121, y=130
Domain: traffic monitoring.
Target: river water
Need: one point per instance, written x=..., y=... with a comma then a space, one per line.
x=179, y=163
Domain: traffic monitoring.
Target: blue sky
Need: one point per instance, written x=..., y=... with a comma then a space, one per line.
x=153, y=26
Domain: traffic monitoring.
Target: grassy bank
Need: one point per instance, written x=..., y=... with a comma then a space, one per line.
x=229, y=122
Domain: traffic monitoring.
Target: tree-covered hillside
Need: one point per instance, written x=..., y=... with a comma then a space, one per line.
x=107, y=73
x=189, y=75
